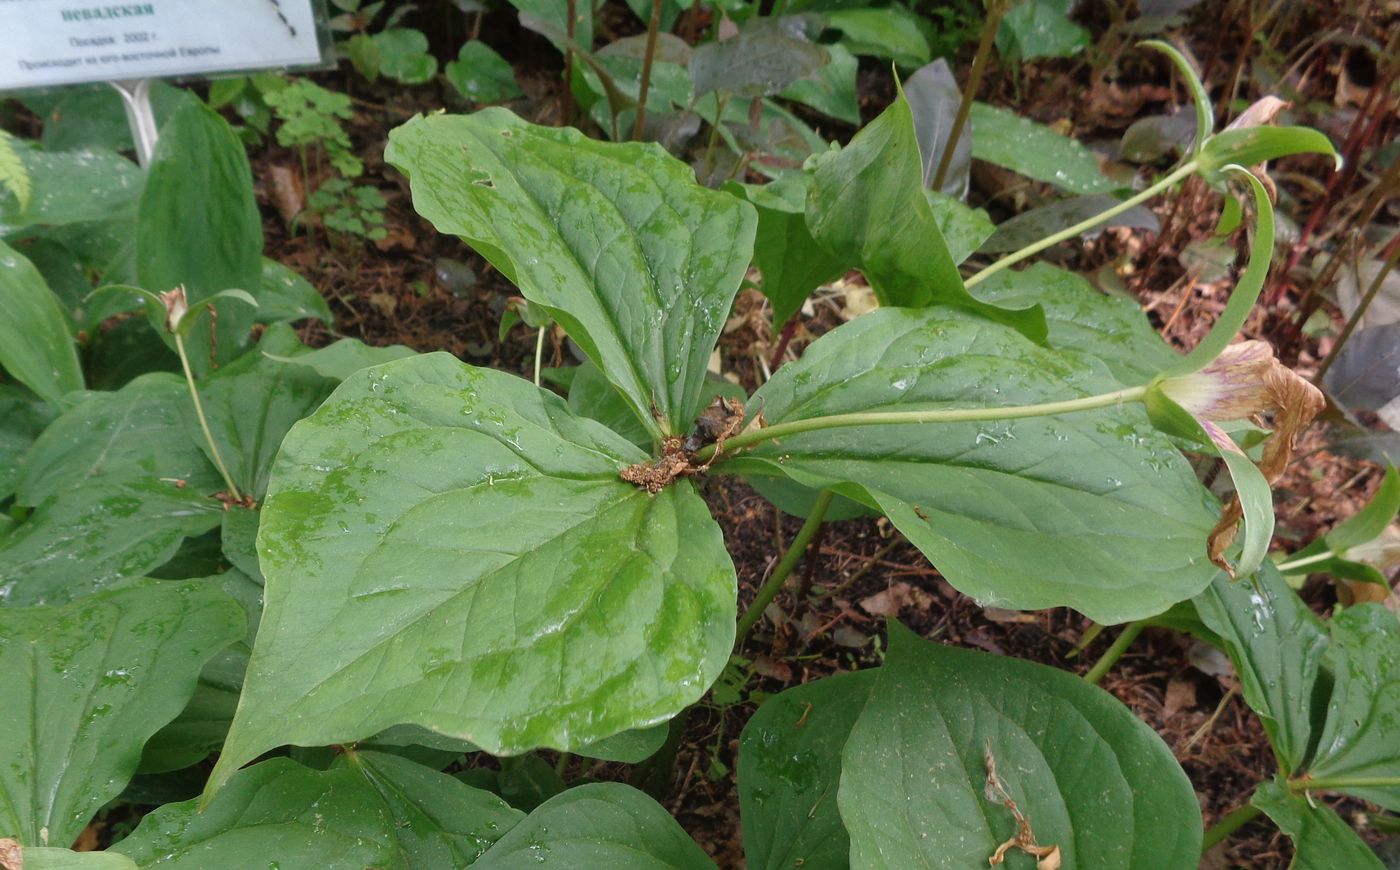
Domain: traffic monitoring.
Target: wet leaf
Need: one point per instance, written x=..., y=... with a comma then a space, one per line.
x=636, y=261
x=934, y=98
x=964, y=228
x=116, y=485
x=1276, y=644
x=382, y=811
x=605, y=824
x=1357, y=743
x=407, y=521
x=35, y=347
x=890, y=32
x=942, y=724
x=198, y=226
x=1040, y=28
x=71, y=187
x=1323, y=841
x=342, y=359
x=481, y=75
x=1010, y=512
x=86, y=685
x=41, y=858
x=22, y=418
x=753, y=64
x=1035, y=151
x=789, y=767
x=831, y=89
x=1084, y=320
x=283, y=295
x=867, y=207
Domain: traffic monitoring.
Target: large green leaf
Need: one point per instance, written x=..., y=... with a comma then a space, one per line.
x=831, y=90
x=1357, y=750
x=1092, y=509
x=71, y=187
x=1082, y=319
x=790, y=260
x=634, y=259
x=451, y=547
x=605, y=824
x=250, y=405
x=1088, y=775
x=115, y=485
x=373, y=814
x=35, y=347
x=52, y=858
x=23, y=418
x=198, y=226
x=1031, y=149
x=284, y=295
x=1276, y=644
x=1322, y=840
x=85, y=686
x=789, y=768
x=867, y=207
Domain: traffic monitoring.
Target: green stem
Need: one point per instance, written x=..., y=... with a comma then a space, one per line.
x=1288, y=567
x=203, y=423
x=940, y=415
x=785, y=565
x=1111, y=655
x=1232, y=822
x=1084, y=225
x=539, y=354
x=1341, y=783
x=995, y=10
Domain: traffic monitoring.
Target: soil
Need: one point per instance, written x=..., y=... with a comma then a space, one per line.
x=430, y=292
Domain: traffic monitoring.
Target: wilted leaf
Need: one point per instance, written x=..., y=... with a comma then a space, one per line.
x=934, y=98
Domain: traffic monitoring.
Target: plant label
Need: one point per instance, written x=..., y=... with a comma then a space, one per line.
x=64, y=42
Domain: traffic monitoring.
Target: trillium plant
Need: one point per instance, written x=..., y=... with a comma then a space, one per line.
x=452, y=559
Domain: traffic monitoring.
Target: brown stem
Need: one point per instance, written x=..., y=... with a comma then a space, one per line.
x=1371, y=292
x=995, y=10
x=566, y=99
x=652, y=27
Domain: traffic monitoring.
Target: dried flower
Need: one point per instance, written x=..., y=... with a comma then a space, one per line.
x=175, y=306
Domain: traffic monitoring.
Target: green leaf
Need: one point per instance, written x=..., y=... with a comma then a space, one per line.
x=86, y=685
x=1011, y=512
x=605, y=824
x=1040, y=28
x=830, y=90
x=250, y=405
x=1084, y=320
x=1323, y=841
x=629, y=747
x=1275, y=643
x=1205, y=113
x=41, y=858
x=403, y=55
x=407, y=521
x=13, y=176
x=964, y=228
x=867, y=207
x=481, y=75
x=35, y=347
x=1254, y=145
x=636, y=261
x=555, y=15
x=199, y=226
x=789, y=259
x=116, y=485
x=1088, y=775
x=22, y=419
x=71, y=187
x=1329, y=554
x=341, y=360
x=439, y=820
x=753, y=63
x=276, y=813
x=1034, y=150
x=592, y=395
x=890, y=32
x=1356, y=750
x=789, y=768
x=284, y=295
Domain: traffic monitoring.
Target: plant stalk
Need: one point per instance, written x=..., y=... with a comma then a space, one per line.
x=780, y=574
x=1232, y=822
x=1084, y=225
x=1115, y=651
x=995, y=10
x=941, y=415
x=1294, y=565
x=1341, y=783
x=653, y=26
x=203, y=423
x=539, y=354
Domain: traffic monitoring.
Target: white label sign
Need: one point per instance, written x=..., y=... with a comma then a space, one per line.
x=63, y=42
